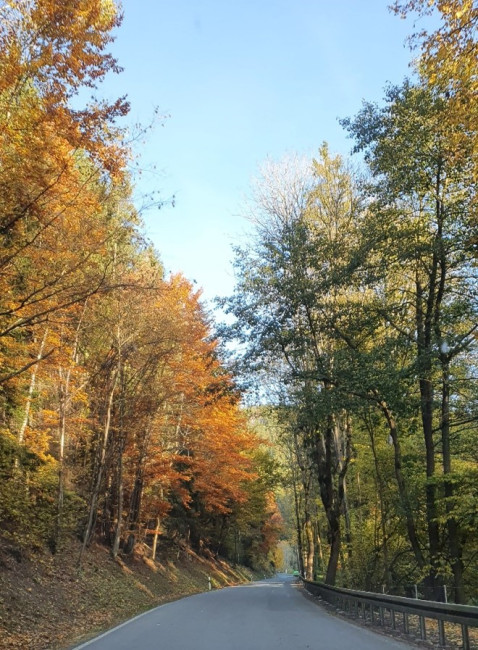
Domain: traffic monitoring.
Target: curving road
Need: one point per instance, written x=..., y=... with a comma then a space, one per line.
x=268, y=615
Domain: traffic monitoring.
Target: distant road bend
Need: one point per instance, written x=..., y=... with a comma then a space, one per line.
x=268, y=615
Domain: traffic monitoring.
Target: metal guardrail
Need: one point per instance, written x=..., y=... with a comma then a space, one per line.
x=359, y=602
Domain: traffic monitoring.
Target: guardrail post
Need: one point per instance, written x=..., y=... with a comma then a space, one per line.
x=406, y=627
x=423, y=629
x=466, y=638
x=441, y=632
x=394, y=623
x=382, y=617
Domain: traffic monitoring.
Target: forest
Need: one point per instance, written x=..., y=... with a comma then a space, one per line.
x=118, y=420
x=356, y=305
x=337, y=407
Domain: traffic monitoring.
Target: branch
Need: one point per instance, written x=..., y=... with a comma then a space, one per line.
x=28, y=365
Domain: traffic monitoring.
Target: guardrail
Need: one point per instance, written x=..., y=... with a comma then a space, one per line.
x=359, y=603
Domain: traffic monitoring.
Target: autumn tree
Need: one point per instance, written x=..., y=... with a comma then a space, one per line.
x=58, y=164
x=57, y=161
x=448, y=63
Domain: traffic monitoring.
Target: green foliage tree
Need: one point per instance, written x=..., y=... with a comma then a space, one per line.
x=422, y=197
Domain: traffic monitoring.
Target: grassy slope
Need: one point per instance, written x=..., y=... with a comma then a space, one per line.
x=46, y=603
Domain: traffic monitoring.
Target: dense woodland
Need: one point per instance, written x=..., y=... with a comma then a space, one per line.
x=118, y=421
x=355, y=330
x=357, y=306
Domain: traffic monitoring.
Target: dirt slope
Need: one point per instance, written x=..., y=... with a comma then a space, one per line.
x=46, y=603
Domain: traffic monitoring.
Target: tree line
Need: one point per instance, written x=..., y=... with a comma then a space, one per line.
x=357, y=305
x=118, y=419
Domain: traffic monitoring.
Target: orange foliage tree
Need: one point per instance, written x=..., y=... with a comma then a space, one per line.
x=115, y=410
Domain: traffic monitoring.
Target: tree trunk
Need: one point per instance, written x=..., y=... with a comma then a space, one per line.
x=426, y=393
x=452, y=524
x=155, y=538
x=381, y=496
x=63, y=405
x=298, y=524
x=119, y=512
x=332, y=465
x=402, y=488
x=334, y=535
x=121, y=447
x=310, y=551
x=99, y=473
x=31, y=389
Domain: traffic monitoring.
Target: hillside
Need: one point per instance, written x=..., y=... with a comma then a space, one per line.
x=46, y=603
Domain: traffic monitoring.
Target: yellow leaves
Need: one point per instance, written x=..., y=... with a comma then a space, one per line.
x=38, y=441
x=108, y=13
x=449, y=64
x=50, y=418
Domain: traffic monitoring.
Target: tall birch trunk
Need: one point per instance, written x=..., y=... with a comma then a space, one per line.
x=31, y=390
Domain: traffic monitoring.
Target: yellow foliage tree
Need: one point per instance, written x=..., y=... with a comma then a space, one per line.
x=449, y=64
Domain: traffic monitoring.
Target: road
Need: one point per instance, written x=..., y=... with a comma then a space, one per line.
x=269, y=615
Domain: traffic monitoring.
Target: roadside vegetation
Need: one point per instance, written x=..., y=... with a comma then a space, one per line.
x=129, y=463
x=119, y=424
x=356, y=305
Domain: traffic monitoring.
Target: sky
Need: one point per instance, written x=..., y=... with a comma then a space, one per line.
x=238, y=82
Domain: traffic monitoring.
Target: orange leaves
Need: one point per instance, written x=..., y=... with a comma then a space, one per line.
x=186, y=437
x=206, y=424
x=50, y=50
x=57, y=164
x=104, y=364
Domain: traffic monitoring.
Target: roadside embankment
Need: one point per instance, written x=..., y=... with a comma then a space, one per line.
x=47, y=603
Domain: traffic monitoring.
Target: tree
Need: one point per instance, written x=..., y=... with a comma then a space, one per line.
x=448, y=63
x=286, y=313
x=422, y=198
x=58, y=163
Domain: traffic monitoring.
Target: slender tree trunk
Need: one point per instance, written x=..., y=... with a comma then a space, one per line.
x=101, y=465
x=427, y=320
x=64, y=402
x=155, y=539
x=61, y=469
x=120, y=497
x=298, y=524
x=452, y=524
x=426, y=393
x=334, y=535
x=320, y=555
x=310, y=554
x=381, y=496
x=31, y=389
x=402, y=487
x=121, y=447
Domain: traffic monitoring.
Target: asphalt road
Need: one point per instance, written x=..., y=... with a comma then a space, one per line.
x=268, y=615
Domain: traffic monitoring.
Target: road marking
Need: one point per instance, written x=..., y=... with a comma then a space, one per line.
x=261, y=584
x=118, y=627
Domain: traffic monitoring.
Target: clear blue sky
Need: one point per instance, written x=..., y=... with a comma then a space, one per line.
x=242, y=80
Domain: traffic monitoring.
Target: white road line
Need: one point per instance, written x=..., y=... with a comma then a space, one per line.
x=130, y=620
